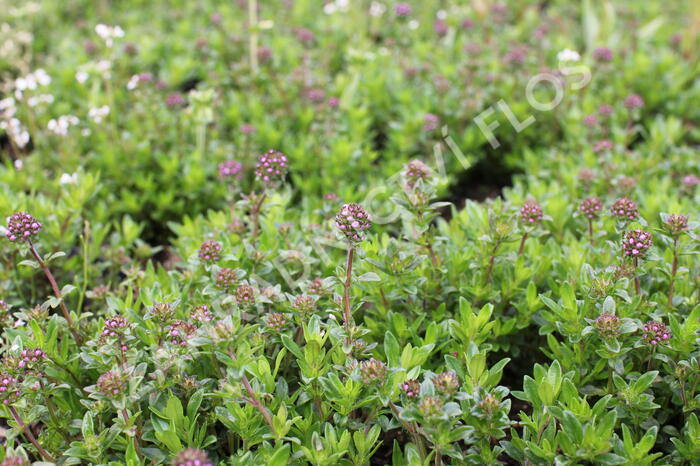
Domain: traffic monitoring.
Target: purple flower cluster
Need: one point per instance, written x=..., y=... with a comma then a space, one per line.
x=624, y=209
x=633, y=101
x=531, y=212
x=192, y=457
x=590, y=120
x=229, y=168
x=415, y=171
x=430, y=407
x=22, y=226
x=402, y=10
x=373, y=371
x=690, y=181
x=446, y=383
x=352, y=221
x=180, y=331
x=656, y=332
x=430, y=122
x=276, y=321
x=636, y=243
x=226, y=278
x=30, y=358
x=15, y=461
x=602, y=54
x=602, y=145
x=175, y=100
x=304, y=305
x=112, y=384
x=606, y=110
x=201, y=314
x=9, y=389
x=590, y=207
x=676, y=224
x=209, y=251
x=411, y=388
x=271, y=167
x=608, y=325
x=245, y=294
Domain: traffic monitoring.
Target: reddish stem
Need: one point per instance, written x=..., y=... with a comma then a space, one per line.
x=347, y=314
x=30, y=436
x=56, y=292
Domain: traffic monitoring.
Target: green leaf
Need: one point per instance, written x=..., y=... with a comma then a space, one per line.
x=391, y=348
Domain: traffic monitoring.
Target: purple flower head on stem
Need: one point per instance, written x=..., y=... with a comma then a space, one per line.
x=416, y=171
x=690, y=181
x=602, y=54
x=373, y=371
x=210, y=251
x=590, y=207
x=676, y=224
x=608, y=325
x=175, y=100
x=656, y=333
x=22, y=227
x=446, y=383
x=606, y=110
x=602, y=146
x=590, y=120
x=226, y=278
x=624, y=209
x=245, y=295
x=230, y=168
x=402, y=10
x=635, y=243
x=271, y=168
x=531, y=212
x=411, y=388
x=112, y=384
x=192, y=457
x=247, y=128
x=179, y=332
x=633, y=101
x=352, y=221
x=430, y=122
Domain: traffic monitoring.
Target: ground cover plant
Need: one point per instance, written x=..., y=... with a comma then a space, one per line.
x=349, y=232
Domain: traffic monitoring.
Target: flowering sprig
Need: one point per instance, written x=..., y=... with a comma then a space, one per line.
x=352, y=222
x=22, y=227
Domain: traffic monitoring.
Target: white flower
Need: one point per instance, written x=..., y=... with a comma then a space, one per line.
x=442, y=14
x=61, y=125
x=19, y=164
x=68, y=179
x=109, y=33
x=81, y=76
x=376, y=9
x=413, y=24
x=330, y=8
x=133, y=82
x=42, y=77
x=343, y=5
x=98, y=113
x=568, y=55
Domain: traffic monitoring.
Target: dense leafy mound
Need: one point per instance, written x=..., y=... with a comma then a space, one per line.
x=350, y=232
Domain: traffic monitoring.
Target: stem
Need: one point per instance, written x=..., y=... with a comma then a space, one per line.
x=674, y=269
x=253, y=33
x=489, y=271
x=30, y=436
x=522, y=243
x=253, y=400
x=637, y=282
x=56, y=292
x=347, y=315
x=255, y=212
x=125, y=415
x=590, y=229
